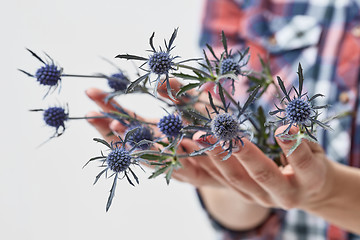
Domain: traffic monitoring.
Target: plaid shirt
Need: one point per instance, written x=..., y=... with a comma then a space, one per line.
x=324, y=36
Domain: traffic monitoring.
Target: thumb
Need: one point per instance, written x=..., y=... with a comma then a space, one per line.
x=175, y=87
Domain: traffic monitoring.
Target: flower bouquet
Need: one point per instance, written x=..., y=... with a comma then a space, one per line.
x=221, y=117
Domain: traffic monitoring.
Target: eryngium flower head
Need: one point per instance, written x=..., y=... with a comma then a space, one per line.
x=230, y=65
x=118, y=160
x=160, y=62
x=118, y=82
x=141, y=133
x=225, y=126
x=298, y=111
x=170, y=125
x=55, y=117
x=48, y=75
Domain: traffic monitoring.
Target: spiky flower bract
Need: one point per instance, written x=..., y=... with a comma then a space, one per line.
x=228, y=128
x=118, y=162
x=47, y=75
x=118, y=82
x=300, y=111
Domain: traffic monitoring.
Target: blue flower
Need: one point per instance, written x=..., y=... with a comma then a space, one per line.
x=118, y=162
x=229, y=65
x=141, y=133
x=160, y=63
x=48, y=75
x=300, y=110
x=171, y=125
x=55, y=117
x=228, y=128
x=225, y=126
x=118, y=82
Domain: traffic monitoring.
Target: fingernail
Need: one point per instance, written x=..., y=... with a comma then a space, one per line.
x=235, y=148
x=202, y=142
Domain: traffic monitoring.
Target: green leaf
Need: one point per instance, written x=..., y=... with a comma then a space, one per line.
x=131, y=57
x=151, y=42
x=224, y=42
x=112, y=193
x=197, y=115
x=102, y=141
x=159, y=171
x=173, y=36
x=251, y=99
x=316, y=96
x=221, y=93
x=186, y=88
x=301, y=79
x=153, y=157
x=212, y=51
x=132, y=86
x=168, y=175
x=134, y=176
x=212, y=103
x=99, y=175
x=93, y=159
x=283, y=89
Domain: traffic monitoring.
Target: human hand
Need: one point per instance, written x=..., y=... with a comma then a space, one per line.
x=196, y=175
x=303, y=183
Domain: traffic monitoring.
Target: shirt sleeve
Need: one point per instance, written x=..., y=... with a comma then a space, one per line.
x=268, y=229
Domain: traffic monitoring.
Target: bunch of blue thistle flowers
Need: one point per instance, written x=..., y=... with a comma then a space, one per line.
x=228, y=122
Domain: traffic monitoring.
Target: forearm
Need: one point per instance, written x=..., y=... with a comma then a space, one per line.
x=229, y=209
x=342, y=206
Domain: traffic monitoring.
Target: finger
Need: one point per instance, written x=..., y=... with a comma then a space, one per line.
x=101, y=125
x=236, y=175
x=175, y=87
x=263, y=171
x=192, y=173
x=303, y=160
x=98, y=96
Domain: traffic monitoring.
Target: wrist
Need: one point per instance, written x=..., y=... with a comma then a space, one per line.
x=229, y=209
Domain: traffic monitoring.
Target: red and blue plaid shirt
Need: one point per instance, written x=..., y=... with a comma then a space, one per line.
x=324, y=36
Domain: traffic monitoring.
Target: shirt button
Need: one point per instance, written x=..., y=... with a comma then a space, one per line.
x=344, y=97
x=356, y=31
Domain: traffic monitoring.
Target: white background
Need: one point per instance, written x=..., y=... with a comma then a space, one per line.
x=44, y=192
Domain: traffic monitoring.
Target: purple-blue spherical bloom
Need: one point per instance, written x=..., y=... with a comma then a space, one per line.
x=298, y=111
x=170, y=125
x=118, y=82
x=229, y=65
x=118, y=160
x=48, y=75
x=225, y=127
x=141, y=133
x=55, y=116
x=160, y=62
